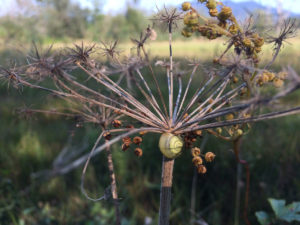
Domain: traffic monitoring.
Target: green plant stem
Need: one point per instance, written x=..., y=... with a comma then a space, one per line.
x=166, y=191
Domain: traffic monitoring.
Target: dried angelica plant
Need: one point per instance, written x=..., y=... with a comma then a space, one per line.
x=228, y=97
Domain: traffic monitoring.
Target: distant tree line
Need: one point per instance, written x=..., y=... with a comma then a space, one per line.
x=64, y=20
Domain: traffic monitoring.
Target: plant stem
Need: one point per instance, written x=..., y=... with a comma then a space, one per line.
x=113, y=185
x=165, y=191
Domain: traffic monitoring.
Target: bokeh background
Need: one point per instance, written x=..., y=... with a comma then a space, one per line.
x=30, y=143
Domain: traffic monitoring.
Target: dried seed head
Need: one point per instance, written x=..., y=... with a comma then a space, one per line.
x=282, y=75
x=233, y=29
x=277, y=82
x=107, y=135
x=238, y=133
x=198, y=132
x=187, y=32
x=197, y=160
x=219, y=130
x=127, y=140
x=259, y=41
x=201, y=169
x=138, y=152
x=235, y=79
x=125, y=147
x=211, y=4
x=186, y=6
x=209, y=156
x=142, y=133
x=116, y=123
x=213, y=12
x=225, y=13
x=137, y=140
x=247, y=42
x=229, y=116
x=195, y=151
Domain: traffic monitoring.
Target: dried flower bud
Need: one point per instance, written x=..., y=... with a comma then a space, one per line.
x=270, y=75
x=201, y=169
x=259, y=41
x=229, y=116
x=211, y=4
x=209, y=156
x=142, y=133
x=117, y=112
x=195, y=151
x=213, y=12
x=210, y=101
x=127, y=140
x=233, y=29
x=225, y=13
x=198, y=132
x=186, y=6
x=125, y=147
x=247, y=42
x=138, y=152
x=186, y=32
x=137, y=140
x=219, y=130
x=282, y=75
x=235, y=79
x=130, y=126
x=197, y=160
x=277, y=82
x=238, y=133
x=107, y=135
x=258, y=49
x=116, y=123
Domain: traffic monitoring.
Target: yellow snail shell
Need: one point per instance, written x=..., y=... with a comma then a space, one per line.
x=170, y=145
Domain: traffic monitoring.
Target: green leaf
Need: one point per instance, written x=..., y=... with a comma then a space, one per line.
x=278, y=206
x=263, y=218
x=287, y=213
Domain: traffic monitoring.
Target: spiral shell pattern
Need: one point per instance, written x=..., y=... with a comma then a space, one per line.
x=170, y=145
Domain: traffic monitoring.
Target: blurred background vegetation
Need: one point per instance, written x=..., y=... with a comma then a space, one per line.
x=30, y=144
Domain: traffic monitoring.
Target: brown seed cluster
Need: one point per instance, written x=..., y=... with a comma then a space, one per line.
x=191, y=137
x=198, y=159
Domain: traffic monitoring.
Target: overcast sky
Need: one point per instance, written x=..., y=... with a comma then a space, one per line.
x=115, y=6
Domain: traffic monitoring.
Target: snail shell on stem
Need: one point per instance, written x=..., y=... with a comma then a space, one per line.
x=170, y=145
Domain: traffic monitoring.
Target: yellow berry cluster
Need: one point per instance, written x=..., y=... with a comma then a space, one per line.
x=198, y=161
